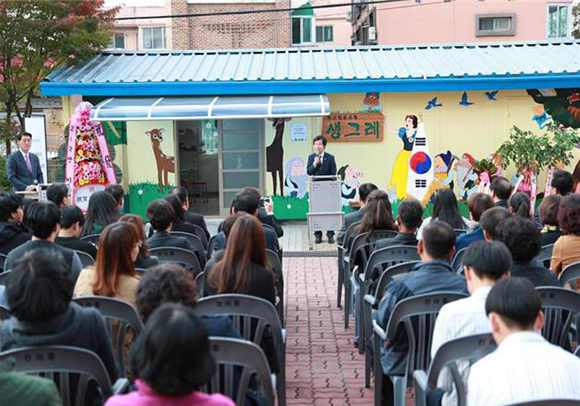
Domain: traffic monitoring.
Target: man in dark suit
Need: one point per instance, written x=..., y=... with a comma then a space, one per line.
x=160, y=215
x=190, y=217
x=321, y=163
x=355, y=217
x=23, y=167
x=501, y=190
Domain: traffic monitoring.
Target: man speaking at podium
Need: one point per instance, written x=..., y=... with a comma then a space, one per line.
x=321, y=163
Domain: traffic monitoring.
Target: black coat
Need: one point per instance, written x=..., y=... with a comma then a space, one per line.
x=327, y=168
x=164, y=239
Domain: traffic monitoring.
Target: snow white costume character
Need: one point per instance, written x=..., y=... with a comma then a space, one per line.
x=401, y=166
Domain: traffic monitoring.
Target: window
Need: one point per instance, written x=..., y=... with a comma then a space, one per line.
x=302, y=30
x=491, y=25
x=117, y=41
x=153, y=37
x=559, y=21
x=324, y=33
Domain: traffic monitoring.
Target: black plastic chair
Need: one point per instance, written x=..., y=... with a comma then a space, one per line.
x=182, y=256
x=545, y=255
x=201, y=234
x=276, y=265
x=4, y=277
x=68, y=363
x=230, y=355
x=4, y=313
x=92, y=238
x=210, y=245
x=551, y=402
x=457, y=262
x=417, y=315
x=251, y=316
x=2, y=262
x=119, y=317
x=470, y=348
x=86, y=259
x=195, y=243
x=570, y=273
x=560, y=307
x=342, y=249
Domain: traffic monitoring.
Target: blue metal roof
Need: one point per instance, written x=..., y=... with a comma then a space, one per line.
x=323, y=70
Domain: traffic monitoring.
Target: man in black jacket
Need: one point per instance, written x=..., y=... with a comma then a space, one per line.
x=12, y=232
x=160, y=215
x=71, y=222
x=266, y=211
x=321, y=163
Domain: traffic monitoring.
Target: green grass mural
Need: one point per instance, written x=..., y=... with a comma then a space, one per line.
x=141, y=194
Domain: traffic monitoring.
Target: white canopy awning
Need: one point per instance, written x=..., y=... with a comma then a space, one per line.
x=199, y=108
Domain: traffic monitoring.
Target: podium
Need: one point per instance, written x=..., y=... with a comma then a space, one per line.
x=324, y=205
x=38, y=194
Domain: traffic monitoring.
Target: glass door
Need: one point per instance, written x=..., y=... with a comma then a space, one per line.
x=241, y=158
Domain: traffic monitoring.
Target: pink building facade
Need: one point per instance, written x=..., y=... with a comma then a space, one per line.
x=430, y=21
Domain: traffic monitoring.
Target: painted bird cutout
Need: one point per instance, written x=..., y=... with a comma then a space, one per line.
x=432, y=104
x=491, y=95
x=464, y=101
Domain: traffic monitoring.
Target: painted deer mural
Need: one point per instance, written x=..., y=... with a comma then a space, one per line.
x=275, y=155
x=165, y=164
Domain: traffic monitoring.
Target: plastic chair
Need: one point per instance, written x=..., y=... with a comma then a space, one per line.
x=470, y=348
x=362, y=278
x=4, y=277
x=140, y=271
x=4, y=313
x=86, y=259
x=459, y=231
x=276, y=265
x=417, y=314
x=182, y=256
x=342, y=249
x=195, y=243
x=210, y=246
x=560, y=307
x=67, y=362
x=358, y=254
x=201, y=234
x=200, y=279
x=230, y=353
x=570, y=273
x=119, y=316
x=551, y=402
x=457, y=262
x=92, y=238
x=545, y=255
x=2, y=262
x=371, y=303
x=251, y=315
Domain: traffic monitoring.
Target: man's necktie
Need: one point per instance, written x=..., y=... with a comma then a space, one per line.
x=28, y=163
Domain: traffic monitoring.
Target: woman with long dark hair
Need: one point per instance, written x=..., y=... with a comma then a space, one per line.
x=101, y=212
x=378, y=214
x=114, y=272
x=179, y=220
x=445, y=209
x=144, y=259
x=519, y=205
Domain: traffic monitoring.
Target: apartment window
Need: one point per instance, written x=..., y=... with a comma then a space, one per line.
x=302, y=30
x=324, y=33
x=492, y=25
x=117, y=41
x=558, y=20
x=153, y=37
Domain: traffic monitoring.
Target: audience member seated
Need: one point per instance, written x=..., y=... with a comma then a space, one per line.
x=144, y=259
x=548, y=214
x=217, y=256
x=58, y=194
x=171, y=283
x=114, y=272
x=12, y=231
x=519, y=205
x=43, y=219
x=118, y=194
x=19, y=389
x=71, y=222
x=433, y=274
x=101, y=212
x=567, y=247
x=363, y=192
x=501, y=190
x=484, y=264
x=160, y=215
x=523, y=239
x=490, y=221
x=562, y=183
x=171, y=359
x=445, y=209
x=525, y=367
x=191, y=217
x=477, y=204
x=178, y=222
x=266, y=211
x=248, y=203
x=39, y=294
x=378, y=215
x=409, y=218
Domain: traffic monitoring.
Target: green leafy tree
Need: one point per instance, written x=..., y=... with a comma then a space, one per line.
x=38, y=36
x=576, y=21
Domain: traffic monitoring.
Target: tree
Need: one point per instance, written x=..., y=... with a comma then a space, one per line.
x=38, y=36
x=576, y=21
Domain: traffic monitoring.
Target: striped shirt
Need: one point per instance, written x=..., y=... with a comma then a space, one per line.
x=524, y=368
x=457, y=319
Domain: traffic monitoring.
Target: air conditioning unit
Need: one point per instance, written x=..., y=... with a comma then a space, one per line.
x=372, y=33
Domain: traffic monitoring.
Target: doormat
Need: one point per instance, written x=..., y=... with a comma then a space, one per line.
x=310, y=254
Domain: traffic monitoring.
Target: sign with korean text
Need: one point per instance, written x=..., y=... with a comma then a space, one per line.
x=353, y=127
